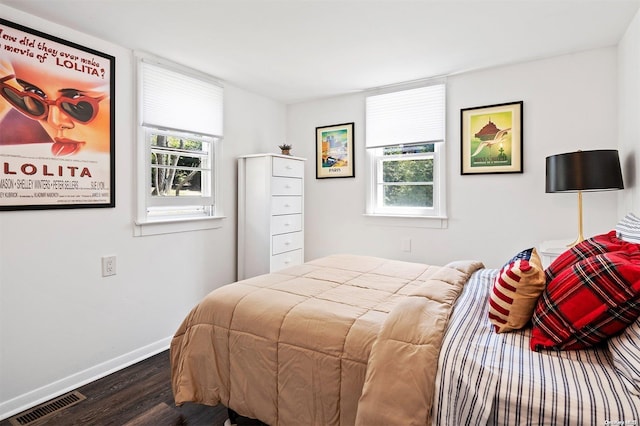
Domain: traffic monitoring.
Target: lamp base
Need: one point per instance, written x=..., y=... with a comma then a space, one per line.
x=577, y=241
x=580, y=235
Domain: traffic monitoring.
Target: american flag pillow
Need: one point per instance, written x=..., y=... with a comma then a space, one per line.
x=589, y=302
x=515, y=292
x=600, y=244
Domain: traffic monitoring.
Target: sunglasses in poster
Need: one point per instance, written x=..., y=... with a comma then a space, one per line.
x=80, y=108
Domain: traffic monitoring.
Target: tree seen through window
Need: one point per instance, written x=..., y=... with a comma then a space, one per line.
x=176, y=165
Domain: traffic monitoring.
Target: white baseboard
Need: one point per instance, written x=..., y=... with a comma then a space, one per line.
x=45, y=393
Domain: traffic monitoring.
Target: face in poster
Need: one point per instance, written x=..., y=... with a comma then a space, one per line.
x=56, y=122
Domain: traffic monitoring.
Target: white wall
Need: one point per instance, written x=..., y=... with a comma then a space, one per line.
x=570, y=103
x=61, y=323
x=629, y=131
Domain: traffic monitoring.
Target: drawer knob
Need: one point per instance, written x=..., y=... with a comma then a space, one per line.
x=287, y=261
x=288, y=167
x=287, y=224
x=287, y=243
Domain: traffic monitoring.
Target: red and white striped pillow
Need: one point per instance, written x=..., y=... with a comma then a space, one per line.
x=515, y=291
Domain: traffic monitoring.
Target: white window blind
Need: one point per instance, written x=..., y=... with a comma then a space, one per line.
x=175, y=101
x=406, y=117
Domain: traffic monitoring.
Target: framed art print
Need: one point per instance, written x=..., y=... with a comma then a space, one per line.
x=491, y=139
x=57, y=111
x=334, y=151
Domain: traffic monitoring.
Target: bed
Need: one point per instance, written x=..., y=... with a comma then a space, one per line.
x=320, y=343
x=490, y=378
x=347, y=339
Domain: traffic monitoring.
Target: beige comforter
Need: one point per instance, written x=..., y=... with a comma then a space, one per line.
x=341, y=340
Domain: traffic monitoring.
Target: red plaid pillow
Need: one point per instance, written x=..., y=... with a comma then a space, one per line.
x=589, y=302
x=600, y=244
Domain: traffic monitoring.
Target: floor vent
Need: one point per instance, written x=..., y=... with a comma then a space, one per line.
x=47, y=409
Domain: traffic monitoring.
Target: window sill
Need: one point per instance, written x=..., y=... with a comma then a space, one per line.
x=407, y=221
x=173, y=225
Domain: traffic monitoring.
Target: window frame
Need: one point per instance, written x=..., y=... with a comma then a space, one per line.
x=175, y=214
x=433, y=217
x=374, y=203
x=378, y=169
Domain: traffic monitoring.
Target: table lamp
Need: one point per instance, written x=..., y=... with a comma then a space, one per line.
x=597, y=170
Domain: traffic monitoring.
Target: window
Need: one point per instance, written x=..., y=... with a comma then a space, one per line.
x=404, y=138
x=181, y=175
x=405, y=179
x=180, y=132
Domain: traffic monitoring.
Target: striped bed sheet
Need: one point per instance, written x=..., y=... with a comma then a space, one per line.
x=489, y=378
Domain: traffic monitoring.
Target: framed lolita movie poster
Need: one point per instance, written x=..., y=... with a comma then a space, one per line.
x=57, y=111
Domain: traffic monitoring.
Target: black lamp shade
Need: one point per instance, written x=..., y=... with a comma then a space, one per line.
x=597, y=170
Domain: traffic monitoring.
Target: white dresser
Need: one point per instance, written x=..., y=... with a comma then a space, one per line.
x=270, y=213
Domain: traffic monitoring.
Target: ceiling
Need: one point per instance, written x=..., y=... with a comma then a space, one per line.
x=298, y=50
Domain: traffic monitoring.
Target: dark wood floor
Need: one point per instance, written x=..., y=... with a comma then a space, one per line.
x=139, y=395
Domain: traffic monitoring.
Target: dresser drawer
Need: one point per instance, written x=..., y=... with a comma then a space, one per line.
x=288, y=168
x=287, y=242
x=284, y=260
x=286, y=186
x=286, y=205
x=286, y=223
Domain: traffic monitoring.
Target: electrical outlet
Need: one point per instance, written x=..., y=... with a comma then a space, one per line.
x=108, y=266
x=406, y=245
